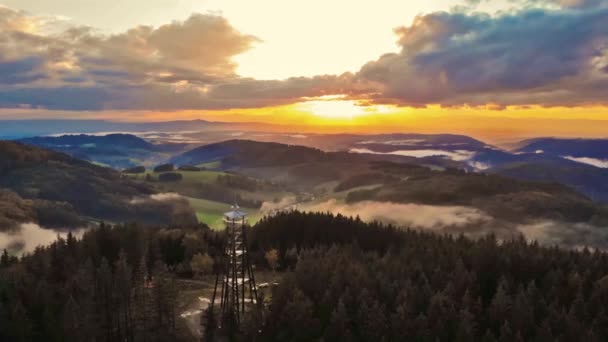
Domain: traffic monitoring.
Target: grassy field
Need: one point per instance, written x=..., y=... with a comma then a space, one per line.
x=200, y=176
x=189, y=176
x=209, y=211
x=214, y=165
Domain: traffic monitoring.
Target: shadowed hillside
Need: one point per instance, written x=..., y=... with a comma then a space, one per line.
x=92, y=191
x=115, y=150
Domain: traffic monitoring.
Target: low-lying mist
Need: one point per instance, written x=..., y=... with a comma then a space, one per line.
x=472, y=222
x=29, y=236
x=573, y=235
x=416, y=216
x=161, y=197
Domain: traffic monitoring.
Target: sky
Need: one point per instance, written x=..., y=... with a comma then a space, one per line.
x=495, y=68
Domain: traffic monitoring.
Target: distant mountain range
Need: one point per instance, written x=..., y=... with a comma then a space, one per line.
x=590, y=151
x=115, y=150
x=17, y=129
x=578, y=163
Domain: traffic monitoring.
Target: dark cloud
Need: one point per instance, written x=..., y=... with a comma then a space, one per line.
x=20, y=71
x=527, y=57
x=182, y=65
x=582, y=3
x=533, y=56
x=568, y=4
x=64, y=97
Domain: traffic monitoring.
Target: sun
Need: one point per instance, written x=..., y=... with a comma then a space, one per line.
x=337, y=107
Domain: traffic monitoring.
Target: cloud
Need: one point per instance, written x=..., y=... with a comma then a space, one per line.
x=567, y=4
x=573, y=235
x=167, y=196
x=582, y=3
x=408, y=215
x=161, y=197
x=457, y=155
x=199, y=48
x=551, y=56
x=573, y=4
x=182, y=65
x=471, y=222
x=601, y=163
x=30, y=236
x=286, y=202
x=531, y=56
x=145, y=67
x=21, y=71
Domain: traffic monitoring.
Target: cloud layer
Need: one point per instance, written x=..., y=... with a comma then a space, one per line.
x=548, y=52
x=416, y=216
x=471, y=222
x=536, y=56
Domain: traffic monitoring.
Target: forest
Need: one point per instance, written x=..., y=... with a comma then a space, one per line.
x=342, y=279
x=117, y=283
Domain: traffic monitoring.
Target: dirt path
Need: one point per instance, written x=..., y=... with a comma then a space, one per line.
x=192, y=315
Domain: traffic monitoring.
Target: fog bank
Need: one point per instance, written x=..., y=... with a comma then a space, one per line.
x=30, y=236
x=469, y=221
x=416, y=216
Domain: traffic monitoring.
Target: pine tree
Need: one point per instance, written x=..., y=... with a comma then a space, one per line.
x=87, y=299
x=339, y=328
x=122, y=286
x=4, y=259
x=106, y=299
x=21, y=326
x=543, y=333
x=298, y=320
x=506, y=334
x=466, y=330
x=141, y=300
x=72, y=321
x=488, y=337
x=501, y=304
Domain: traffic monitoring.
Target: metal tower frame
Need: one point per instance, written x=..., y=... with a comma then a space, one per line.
x=235, y=280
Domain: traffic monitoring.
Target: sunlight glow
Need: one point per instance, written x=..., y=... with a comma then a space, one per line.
x=337, y=107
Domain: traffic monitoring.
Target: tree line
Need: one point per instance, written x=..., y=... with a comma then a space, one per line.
x=347, y=280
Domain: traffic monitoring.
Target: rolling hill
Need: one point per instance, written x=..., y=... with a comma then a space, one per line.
x=80, y=187
x=115, y=150
x=502, y=196
x=587, y=179
x=579, y=148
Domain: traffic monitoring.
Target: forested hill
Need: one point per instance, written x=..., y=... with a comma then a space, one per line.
x=342, y=279
x=126, y=141
x=365, y=282
x=88, y=190
x=115, y=284
x=247, y=153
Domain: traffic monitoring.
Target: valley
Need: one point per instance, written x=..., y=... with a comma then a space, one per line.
x=438, y=175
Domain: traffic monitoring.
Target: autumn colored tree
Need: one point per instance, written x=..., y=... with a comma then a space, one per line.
x=201, y=264
x=272, y=258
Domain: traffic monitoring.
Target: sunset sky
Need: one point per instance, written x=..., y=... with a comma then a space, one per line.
x=493, y=69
